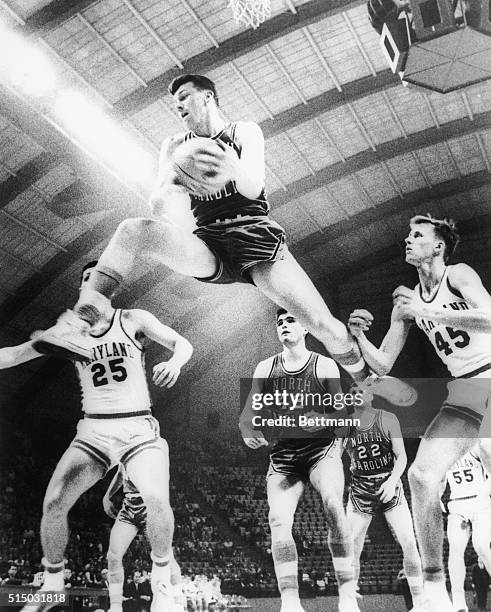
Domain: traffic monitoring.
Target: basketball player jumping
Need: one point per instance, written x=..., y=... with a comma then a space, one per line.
x=117, y=427
x=129, y=520
x=313, y=456
x=469, y=509
x=451, y=306
x=235, y=240
x=378, y=460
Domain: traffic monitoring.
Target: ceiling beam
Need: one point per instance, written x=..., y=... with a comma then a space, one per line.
x=111, y=190
x=383, y=152
x=328, y=101
x=232, y=48
x=53, y=14
x=26, y=177
x=392, y=207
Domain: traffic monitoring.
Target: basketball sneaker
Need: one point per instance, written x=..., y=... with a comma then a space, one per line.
x=162, y=597
x=68, y=338
x=292, y=607
x=291, y=603
x=348, y=602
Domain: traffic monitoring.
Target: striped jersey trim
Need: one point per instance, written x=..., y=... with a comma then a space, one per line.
x=116, y=415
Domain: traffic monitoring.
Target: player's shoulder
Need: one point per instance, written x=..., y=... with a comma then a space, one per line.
x=247, y=129
x=134, y=320
x=460, y=273
x=325, y=364
x=388, y=419
x=263, y=368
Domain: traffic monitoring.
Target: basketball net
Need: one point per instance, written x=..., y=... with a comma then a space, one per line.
x=251, y=12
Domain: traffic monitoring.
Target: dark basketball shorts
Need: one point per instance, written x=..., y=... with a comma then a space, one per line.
x=469, y=397
x=298, y=457
x=134, y=512
x=240, y=244
x=365, y=499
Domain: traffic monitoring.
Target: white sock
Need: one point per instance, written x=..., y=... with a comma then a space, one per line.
x=115, y=593
x=161, y=570
x=436, y=590
x=53, y=576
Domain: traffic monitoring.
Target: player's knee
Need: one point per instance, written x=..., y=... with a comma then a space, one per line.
x=114, y=561
x=143, y=231
x=419, y=477
x=280, y=520
x=55, y=502
x=333, y=505
x=158, y=504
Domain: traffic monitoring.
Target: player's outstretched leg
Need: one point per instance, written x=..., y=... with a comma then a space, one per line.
x=149, y=472
x=75, y=473
x=481, y=537
x=286, y=283
x=122, y=534
x=458, y=533
x=176, y=582
x=401, y=523
x=359, y=522
x=283, y=497
x=328, y=479
x=148, y=241
x=436, y=454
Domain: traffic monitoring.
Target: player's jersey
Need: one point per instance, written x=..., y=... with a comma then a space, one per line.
x=227, y=202
x=114, y=380
x=462, y=351
x=304, y=385
x=467, y=477
x=370, y=448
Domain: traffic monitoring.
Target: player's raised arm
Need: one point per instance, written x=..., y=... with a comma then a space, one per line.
x=248, y=170
x=251, y=178
x=166, y=373
x=464, y=280
x=393, y=429
x=380, y=360
x=253, y=438
x=11, y=356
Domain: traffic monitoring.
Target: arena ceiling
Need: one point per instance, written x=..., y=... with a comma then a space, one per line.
x=351, y=153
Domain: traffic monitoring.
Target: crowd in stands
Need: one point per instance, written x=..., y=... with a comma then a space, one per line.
x=219, y=500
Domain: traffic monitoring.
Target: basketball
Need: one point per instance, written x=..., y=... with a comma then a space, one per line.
x=196, y=179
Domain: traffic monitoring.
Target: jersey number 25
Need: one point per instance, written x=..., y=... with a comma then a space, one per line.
x=100, y=374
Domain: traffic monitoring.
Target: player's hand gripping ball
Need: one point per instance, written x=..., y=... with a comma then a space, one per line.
x=202, y=165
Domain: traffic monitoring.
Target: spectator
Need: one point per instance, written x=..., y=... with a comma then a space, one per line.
x=12, y=578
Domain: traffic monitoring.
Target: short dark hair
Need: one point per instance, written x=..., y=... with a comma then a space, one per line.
x=91, y=264
x=198, y=80
x=445, y=229
x=280, y=311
